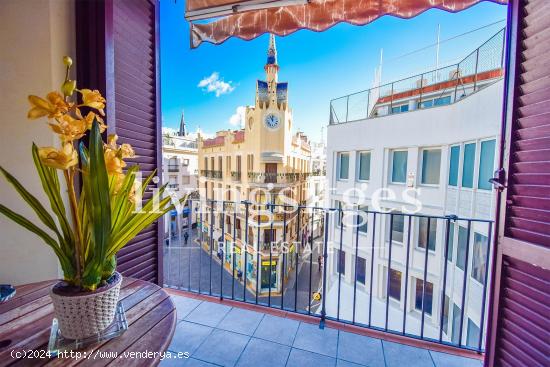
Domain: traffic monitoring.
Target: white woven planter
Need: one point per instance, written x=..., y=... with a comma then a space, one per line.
x=85, y=314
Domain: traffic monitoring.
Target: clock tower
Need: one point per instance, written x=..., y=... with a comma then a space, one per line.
x=270, y=119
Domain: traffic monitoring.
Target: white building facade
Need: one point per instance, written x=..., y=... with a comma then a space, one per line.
x=180, y=172
x=434, y=161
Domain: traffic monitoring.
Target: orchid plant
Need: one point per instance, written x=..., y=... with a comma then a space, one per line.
x=103, y=192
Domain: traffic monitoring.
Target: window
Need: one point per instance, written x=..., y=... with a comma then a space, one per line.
x=250, y=162
x=450, y=244
x=461, y=251
x=228, y=164
x=395, y=284
x=185, y=180
x=456, y=324
x=185, y=162
x=479, y=257
x=472, y=336
x=399, y=166
x=468, y=165
x=427, y=104
x=220, y=164
x=453, y=165
x=445, y=324
x=339, y=213
x=361, y=270
x=364, y=166
x=343, y=166
x=431, y=164
x=397, y=227
x=486, y=164
x=442, y=101
x=399, y=109
x=423, y=233
x=340, y=260
x=428, y=296
x=362, y=220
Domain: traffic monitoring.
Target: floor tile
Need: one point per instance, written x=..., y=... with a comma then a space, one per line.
x=222, y=347
x=302, y=358
x=449, y=360
x=399, y=355
x=209, y=314
x=184, y=305
x=342, y=363
x=264, y=353
x=190, y=362
x=188, y=336
x=360, y=349
x=311, y=337
x=241, y=321
x=277, y=329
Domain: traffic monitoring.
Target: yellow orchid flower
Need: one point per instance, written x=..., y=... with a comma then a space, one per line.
x=54, y=106
x=89, y=120
x=113, y=162
x=63, y=158
x=93, y=99
x=69, y=128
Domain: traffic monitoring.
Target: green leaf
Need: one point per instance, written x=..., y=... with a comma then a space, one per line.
x=99, y=209
x=33, y=202
x=50, y=184
x=66, y=265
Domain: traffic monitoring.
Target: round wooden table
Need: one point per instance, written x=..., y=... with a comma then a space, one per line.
x=26, y=319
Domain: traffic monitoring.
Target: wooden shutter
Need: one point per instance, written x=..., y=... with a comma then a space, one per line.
x=117, y=53
x=518, y=330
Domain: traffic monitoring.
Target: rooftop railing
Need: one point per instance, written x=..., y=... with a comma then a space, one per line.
x=419, y=276
x=434, y=88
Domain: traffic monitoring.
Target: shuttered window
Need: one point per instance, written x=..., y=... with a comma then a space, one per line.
x=117, y=53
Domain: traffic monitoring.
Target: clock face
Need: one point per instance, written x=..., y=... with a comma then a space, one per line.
x=272, y=121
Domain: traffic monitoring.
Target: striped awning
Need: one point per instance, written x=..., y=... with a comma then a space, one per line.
x=215, y=21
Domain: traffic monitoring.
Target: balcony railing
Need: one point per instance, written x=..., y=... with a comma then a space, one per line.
x=173, y=168
x=276, y=178
x=420, y=276
x=211, y=173
x=430, y=89
x=236, y=175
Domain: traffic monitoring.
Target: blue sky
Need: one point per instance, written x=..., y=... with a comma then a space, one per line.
x=318, y=66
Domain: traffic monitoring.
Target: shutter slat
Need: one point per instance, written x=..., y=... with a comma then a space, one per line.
x=529, y=213
x=540, y=95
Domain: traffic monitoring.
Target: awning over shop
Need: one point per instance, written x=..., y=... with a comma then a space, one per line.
x=250, y=19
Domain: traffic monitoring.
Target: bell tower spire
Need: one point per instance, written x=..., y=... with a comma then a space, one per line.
x=271, y=66
x=182, y=131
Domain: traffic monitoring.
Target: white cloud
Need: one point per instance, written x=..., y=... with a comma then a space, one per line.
x=213, y=84
x=237, y=119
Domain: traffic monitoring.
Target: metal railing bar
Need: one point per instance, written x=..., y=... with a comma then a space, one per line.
x=464, y=284
x=372, y=266
x=388, y=274
x=444, y=285
x=485, y=280
x=341, y=216
x=425, y=280
x=355, y=272
x=407, y=273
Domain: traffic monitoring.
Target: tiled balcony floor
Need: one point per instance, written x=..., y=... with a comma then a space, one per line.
x=220, y=335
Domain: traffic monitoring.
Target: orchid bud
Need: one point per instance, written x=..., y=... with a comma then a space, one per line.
x=68, y=87
x=67, y=61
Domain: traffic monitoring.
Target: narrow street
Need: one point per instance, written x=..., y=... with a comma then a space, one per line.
x=187, y=266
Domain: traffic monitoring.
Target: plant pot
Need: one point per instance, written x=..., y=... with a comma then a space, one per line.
x=83, y=314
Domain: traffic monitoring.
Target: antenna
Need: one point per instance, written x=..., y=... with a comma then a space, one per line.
x=437, y=47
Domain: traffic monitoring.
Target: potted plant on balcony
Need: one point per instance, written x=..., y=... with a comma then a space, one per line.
x=102, y=216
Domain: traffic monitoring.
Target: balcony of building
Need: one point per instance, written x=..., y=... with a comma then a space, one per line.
x=338, y=275
x=236, y=176
x=434, y=88
x=216, y=174
x=230, y=333
x=276, y=178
